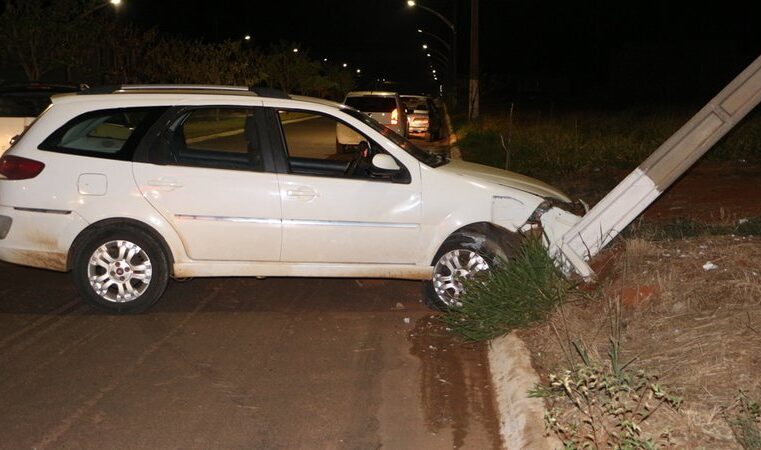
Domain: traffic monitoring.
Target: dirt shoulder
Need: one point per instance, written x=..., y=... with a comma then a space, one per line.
x=688, y=311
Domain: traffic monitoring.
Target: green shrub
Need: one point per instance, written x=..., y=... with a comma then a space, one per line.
x=514, y=294
x=609, y=405
x=483, y=146
x=547, y=146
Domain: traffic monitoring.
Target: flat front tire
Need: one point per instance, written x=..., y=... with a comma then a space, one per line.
x=120, y=269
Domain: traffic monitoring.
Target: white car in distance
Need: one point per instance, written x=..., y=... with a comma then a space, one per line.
x=128, y=187
x=385, y=107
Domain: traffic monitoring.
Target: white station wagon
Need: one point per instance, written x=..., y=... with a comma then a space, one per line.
x=126, y=187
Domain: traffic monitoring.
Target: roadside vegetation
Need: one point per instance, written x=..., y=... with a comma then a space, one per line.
x=517, y=293
x=661, y=350
x=81, y=41
x=555, y=145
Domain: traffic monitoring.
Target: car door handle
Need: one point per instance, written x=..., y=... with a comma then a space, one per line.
x=302, y=192
x=165, y=182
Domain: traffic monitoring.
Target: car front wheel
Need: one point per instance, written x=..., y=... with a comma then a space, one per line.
x=120, y=270
x=462, y=257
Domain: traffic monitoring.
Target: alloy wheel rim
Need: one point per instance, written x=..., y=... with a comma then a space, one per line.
x=119, y=271
x=452, y=270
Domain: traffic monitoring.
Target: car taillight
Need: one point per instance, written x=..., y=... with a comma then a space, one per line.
x=17, y=168
x=395, y=117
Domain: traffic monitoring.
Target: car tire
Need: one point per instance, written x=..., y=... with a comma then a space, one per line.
x=461, y=257
x=120, y=269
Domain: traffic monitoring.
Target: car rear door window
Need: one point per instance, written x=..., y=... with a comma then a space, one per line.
x=110, y=134
x=215, y=137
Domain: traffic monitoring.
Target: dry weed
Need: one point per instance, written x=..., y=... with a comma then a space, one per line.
x=700, y=330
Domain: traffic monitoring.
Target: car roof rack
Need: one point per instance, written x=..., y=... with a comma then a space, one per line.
x=200, y=88
x=268, y=92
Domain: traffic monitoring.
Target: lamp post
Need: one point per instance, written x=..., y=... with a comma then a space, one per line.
x=450, y=25
x=474, y=94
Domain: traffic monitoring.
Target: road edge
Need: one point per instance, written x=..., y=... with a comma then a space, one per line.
x=521, y=418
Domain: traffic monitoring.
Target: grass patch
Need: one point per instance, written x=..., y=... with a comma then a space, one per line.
x=201, y=128
x=682, y=228
x=484, y=147
x=514, y=294
x=544, y=146
x=744, y=416
x=608, y=403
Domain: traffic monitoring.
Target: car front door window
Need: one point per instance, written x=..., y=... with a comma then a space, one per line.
x=337, y=207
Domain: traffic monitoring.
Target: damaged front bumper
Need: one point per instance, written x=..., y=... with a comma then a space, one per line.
x=556, y=220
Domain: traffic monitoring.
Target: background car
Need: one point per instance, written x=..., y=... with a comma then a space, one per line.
x=425, y=118
x=21, y=103
x=383, y=106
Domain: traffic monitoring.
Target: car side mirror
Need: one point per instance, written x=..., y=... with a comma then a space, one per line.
x=385, y=162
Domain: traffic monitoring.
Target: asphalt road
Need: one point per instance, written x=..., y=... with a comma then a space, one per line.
x=237, y=363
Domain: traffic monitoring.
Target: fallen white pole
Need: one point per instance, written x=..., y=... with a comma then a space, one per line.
x=648, y=181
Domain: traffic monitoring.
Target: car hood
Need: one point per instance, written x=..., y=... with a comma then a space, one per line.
x=478, y=172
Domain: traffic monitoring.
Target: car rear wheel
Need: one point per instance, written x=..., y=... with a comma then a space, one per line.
x=120, y=270
x=462, y=257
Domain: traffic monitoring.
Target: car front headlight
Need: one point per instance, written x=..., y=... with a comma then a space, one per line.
x=578, y=208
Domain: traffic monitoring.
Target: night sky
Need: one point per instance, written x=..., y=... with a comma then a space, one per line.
x=649, y=49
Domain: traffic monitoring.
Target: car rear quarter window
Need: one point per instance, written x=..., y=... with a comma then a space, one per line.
x=110, y=133
x=372, y=103
x=23, y=104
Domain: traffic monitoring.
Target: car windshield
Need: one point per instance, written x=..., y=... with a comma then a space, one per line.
x=424, y=156
x=415, y=103
x=372, y=103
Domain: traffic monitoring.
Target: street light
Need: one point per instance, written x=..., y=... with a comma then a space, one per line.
x=443, y=42
x=359, y=71
x=439, y=53
x=247, y=37
x=295, y=50
x=344, y=65
x=413, y=4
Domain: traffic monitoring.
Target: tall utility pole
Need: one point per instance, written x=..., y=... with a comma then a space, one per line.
x=473, y=95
